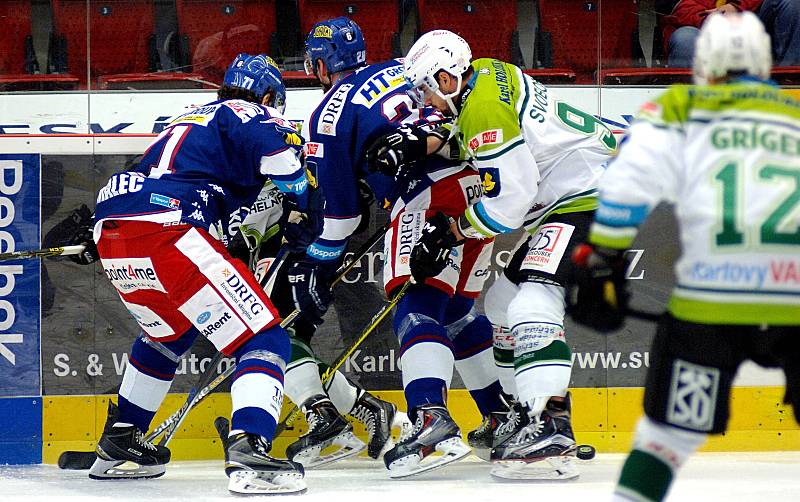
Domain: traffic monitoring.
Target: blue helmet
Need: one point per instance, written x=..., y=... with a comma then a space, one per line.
x=338, y=42
x=259, y=74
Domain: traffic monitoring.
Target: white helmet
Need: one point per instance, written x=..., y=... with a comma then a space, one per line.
x=435, y=51
x=732, y=43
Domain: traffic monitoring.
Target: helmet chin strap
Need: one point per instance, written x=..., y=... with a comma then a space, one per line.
x=448, y=98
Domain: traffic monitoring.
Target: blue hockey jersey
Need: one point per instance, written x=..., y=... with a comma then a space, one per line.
x=362, y=106
x=208, y=166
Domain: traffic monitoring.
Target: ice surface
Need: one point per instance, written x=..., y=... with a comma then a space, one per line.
x=724, y=477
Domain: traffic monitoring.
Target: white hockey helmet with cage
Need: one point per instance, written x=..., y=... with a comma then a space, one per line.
x=731, y=44
x=435, y=51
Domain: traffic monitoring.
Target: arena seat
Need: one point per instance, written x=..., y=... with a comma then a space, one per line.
x=215, y=31
x=19, y=69
x=576, y=34
x=379, y=20
x=120, y=38
x=489, y=26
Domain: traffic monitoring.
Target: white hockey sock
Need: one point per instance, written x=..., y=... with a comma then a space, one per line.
x=343, y=394
x=302, y=381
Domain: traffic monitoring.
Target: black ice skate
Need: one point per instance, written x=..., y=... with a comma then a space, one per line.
x=379, y=417
x=536, y=446
x=252, y=471
x=326, y=428
x=482, y=439
x=122, y=446
x=434, y=431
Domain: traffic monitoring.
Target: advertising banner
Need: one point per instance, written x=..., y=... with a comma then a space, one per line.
x=19, y=279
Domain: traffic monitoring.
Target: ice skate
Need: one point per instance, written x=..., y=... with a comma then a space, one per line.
x=379, y=417
x=535, y=447
x=123, y=453
x=481, y=440
x=434, y=431
x=326, y=428
x=251, y=471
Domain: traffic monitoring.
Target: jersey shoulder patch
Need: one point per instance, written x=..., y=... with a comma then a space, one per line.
x=331, y=109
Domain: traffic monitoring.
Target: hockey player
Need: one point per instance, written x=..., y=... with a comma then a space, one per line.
x=539, y=160
x=433, y=320
x=726, y=153
x=161, y=233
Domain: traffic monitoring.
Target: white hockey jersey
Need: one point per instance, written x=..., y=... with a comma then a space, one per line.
x=728, y=157
x=536, y=154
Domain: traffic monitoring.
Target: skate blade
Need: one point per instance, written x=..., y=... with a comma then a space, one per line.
x=399, y=421
x=451, y=450
x=249, y=482
x=560, y=468
x=482, y=453
x=122, y=469
x=313, y=457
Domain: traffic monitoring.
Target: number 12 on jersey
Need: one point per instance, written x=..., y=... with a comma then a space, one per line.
x=787, y=210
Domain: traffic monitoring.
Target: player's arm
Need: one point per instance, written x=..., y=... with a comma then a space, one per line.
x=509, y=172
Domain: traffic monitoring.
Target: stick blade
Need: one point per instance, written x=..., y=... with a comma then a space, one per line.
x=76, y=460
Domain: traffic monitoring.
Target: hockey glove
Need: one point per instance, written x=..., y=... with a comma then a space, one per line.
x=598, y=296
x=301, y=228
x=81, y=223
x=390, y=152
x=432, y=250
x=365, y=200
x=311, y=290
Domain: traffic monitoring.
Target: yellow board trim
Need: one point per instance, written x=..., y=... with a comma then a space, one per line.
x=603, y=417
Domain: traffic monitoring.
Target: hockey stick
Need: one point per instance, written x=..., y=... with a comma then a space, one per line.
x=42, y=253
x=80, y=460
x=387, y=307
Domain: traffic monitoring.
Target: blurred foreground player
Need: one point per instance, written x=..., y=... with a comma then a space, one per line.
x=161, y=233
x=726, y=152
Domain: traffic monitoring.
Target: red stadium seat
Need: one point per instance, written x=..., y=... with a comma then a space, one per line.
x=378, y=19
x=587, y=35
x=17, y=60
x=120, y=37
x=215, y=31
x=489, y=26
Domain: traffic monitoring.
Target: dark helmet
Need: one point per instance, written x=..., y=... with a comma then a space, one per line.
x=338, y=42
x=259, y=74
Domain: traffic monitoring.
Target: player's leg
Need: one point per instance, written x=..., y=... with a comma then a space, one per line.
x=427, y=361
x=327, y=426
x=220, y=297
x=542, y=359
x=687, y=391
x=472, y=341
x=145, y=383
x=379, y=417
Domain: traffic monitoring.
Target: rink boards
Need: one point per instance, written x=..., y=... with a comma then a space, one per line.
x=53, y=390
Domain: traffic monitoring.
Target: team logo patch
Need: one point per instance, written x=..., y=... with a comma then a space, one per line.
x=315, y=149
x=323, y=32
x=490, y=137
x=547, y=247
x=693, y=396
x=490, y=179
x=163, y=200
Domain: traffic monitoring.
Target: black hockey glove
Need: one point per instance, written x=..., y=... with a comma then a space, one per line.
x=302, y=227
x=76, y=229
x=597, y=295
x=387, y=154
x=311, y=289
x=432, y=250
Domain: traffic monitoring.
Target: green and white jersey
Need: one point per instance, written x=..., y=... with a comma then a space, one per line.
x=536, y=154
x=728, y=157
